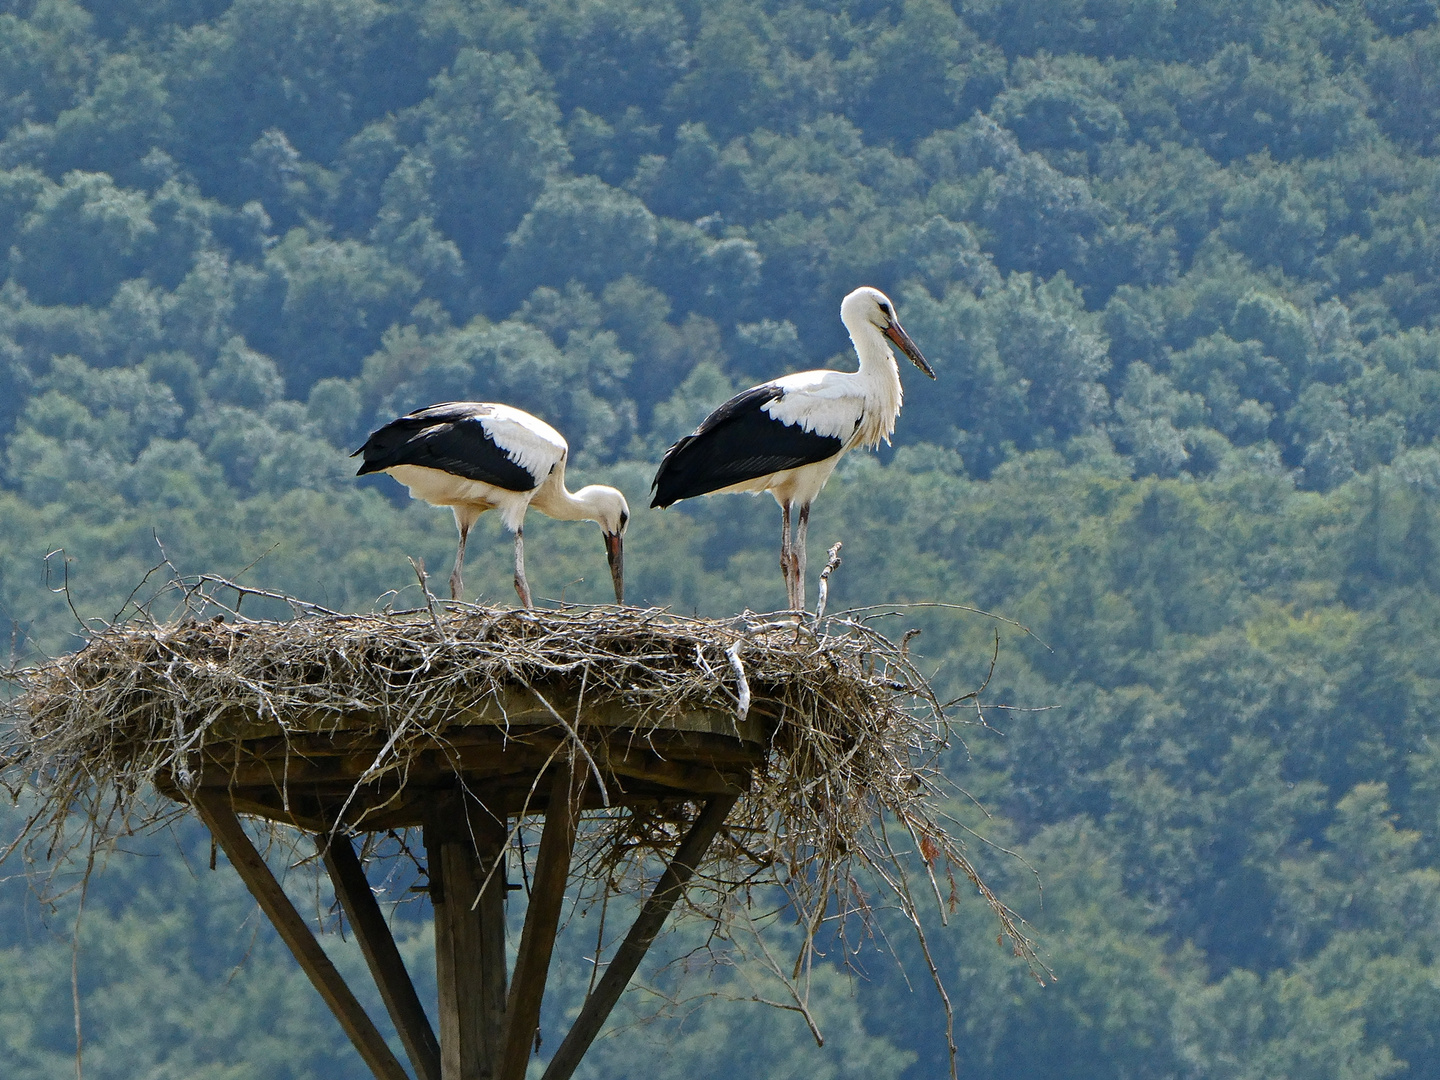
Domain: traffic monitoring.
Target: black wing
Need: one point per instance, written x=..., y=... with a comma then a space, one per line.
x=447, y=437
x=738, y=441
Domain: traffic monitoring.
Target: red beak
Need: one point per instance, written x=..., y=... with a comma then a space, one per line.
x=897, y=334
x=614, y=544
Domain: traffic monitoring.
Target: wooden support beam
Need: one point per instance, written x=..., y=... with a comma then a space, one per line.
x=464, y=845
x=698, y=766
x=507, y=709
x=542, y=918
x=215, y=810
x=626, y=960
x=386, y=966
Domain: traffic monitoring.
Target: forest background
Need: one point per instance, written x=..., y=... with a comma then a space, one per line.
x=1176, y=265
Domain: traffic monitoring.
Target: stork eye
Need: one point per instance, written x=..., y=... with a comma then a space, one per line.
x=886, y=309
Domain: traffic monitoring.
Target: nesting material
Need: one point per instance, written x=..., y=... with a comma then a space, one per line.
x=828, y=733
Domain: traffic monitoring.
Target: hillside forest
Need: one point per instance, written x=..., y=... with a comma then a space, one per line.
x=1175, y=264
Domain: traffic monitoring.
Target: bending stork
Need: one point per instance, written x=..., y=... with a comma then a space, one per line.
x=786, y=436
x=473, y=456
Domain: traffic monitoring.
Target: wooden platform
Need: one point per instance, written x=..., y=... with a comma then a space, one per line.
x=463, y=781
x=348, y=769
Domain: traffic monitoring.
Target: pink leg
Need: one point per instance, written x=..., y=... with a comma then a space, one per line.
x=798, y=554
x=785, y=555
x=521, y=585
x=457, y=583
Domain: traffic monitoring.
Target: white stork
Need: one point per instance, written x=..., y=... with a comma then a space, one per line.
x=473, y=456
x=786, y=436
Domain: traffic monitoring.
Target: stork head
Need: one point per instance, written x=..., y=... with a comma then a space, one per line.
x=607, y=507
x=871, y=306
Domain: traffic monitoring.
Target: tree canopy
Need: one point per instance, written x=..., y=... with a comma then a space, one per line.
x=1177, y=266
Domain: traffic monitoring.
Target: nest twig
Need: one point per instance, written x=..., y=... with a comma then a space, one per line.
x=841, y=815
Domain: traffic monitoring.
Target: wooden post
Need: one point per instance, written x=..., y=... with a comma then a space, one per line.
x=215, y=810
x=542, y=918
x=465, y=844
x=386, y=966
x=632, y=950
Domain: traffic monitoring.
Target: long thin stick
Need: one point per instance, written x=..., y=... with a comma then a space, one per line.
x=632, y=950
x=824, y=592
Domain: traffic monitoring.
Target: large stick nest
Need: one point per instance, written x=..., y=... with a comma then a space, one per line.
x=844, y=802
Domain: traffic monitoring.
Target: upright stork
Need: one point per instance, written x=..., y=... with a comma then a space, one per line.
x=787, y=435
x=474, y=456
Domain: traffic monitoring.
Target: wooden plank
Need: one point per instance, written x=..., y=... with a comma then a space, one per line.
x=308, y=758
x=515, y=706
x=512, y=801
x=386, y=965
x=313, y=806
x=463, y=844
x=219, y=817
x=320, y=745
x=626, y=960
x=490, y=837
x=299, y=776
x=315, y=809
x=542, y=919
x=307, y=820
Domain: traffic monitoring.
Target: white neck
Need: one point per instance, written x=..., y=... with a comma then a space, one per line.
x=881, y=379
x=556, y=501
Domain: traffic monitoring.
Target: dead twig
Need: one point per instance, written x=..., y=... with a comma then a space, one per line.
x=831, y=564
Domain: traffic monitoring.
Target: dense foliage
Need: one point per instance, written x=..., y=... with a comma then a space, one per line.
x=1176, y=265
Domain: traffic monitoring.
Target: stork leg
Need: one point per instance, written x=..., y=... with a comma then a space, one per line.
x=798, y=555
x=457, y=583
x=521, y=585
x=785, y=564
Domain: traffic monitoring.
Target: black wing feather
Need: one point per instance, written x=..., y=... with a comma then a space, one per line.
x=447, y=437
x=739, y=441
